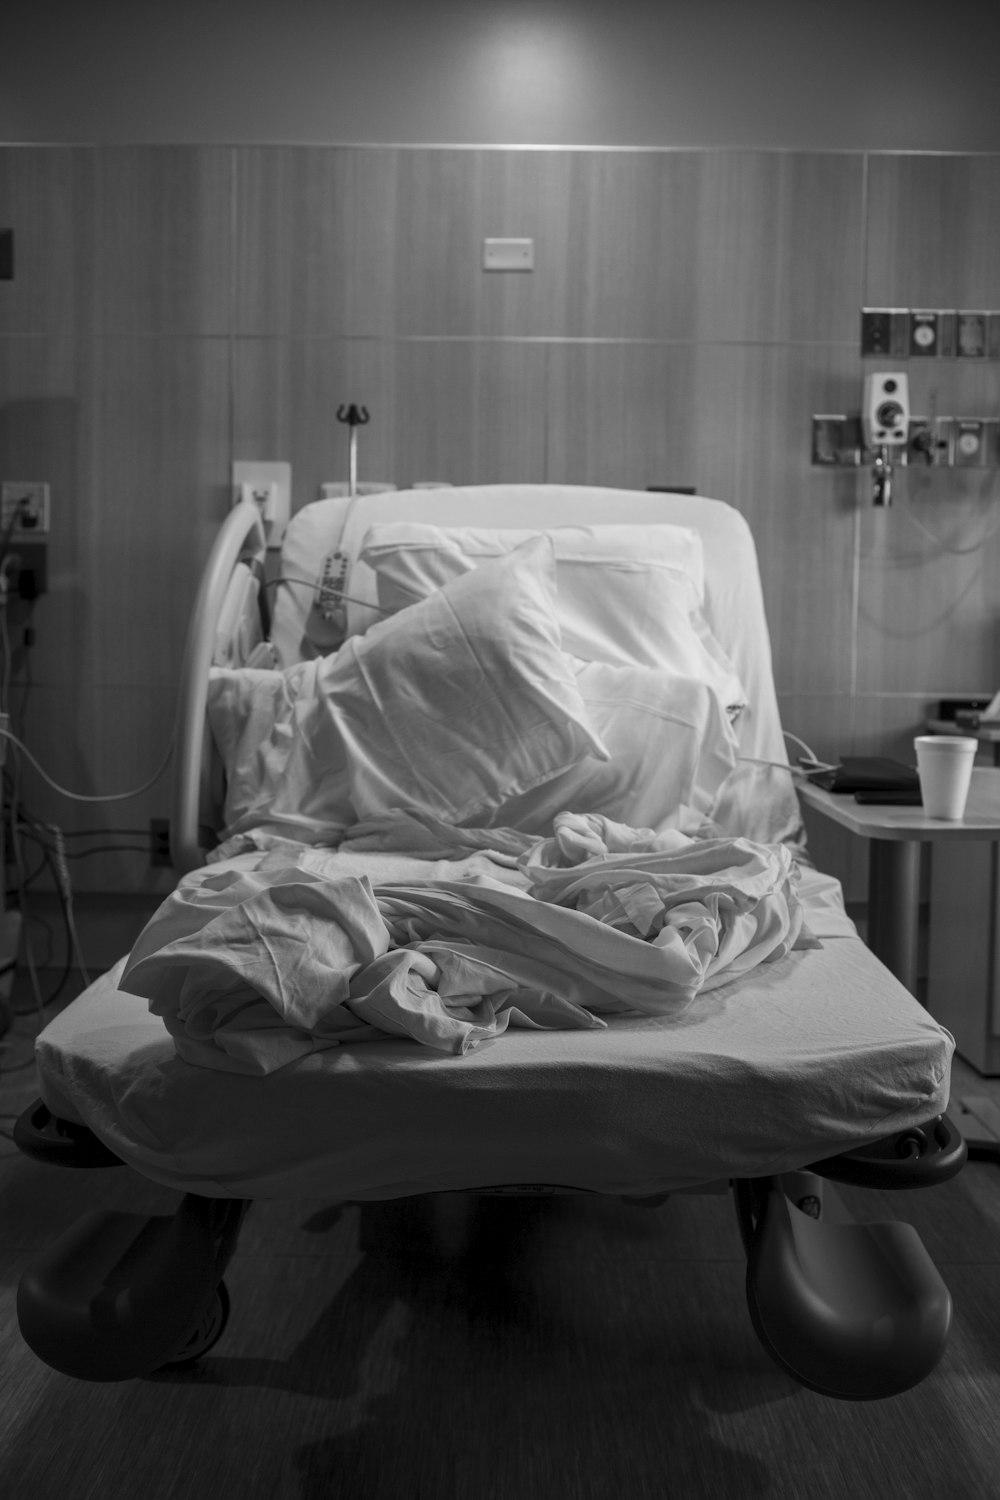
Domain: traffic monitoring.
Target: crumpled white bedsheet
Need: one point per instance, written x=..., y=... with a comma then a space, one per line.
x=252, y=969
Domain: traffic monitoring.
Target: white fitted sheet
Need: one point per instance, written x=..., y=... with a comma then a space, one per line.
x=802, y=1058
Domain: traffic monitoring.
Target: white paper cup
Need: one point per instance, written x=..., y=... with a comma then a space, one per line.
x=944, y=765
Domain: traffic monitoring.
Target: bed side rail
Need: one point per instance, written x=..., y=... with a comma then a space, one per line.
x=241, y=538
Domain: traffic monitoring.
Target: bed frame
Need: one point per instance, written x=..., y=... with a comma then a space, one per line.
x=853, y=1311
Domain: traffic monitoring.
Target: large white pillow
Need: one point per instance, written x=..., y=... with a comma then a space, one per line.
x=671, y=747
x=450, y=707
x=465, y=699
x=626, y=593
x=286, y=770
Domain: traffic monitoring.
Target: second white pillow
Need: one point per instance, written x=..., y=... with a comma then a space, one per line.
x=626, y=594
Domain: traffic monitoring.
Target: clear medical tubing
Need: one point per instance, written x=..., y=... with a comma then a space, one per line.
x=242, y=533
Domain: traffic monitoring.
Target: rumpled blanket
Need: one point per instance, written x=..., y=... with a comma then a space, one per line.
x=253, y=969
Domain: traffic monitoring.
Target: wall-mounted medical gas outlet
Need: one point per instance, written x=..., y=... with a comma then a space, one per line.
x=924, y=333
x=836, y=441
x=885, y=413
x=928, y=444
x=944, y=442
x=969, y=443
x=508, y=255
x=24, y=508
x=268, y=485
x=918, y=333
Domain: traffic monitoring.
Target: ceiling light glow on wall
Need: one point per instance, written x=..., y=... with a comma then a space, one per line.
x=531, y=75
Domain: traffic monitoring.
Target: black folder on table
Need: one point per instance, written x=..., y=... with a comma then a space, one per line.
x=867, y=773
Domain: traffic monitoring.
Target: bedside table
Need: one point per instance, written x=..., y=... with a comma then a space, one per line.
x=895, y=836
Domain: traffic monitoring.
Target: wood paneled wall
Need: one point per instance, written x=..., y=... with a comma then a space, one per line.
x=175, y=308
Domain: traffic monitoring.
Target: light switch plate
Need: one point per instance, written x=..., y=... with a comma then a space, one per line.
x=508, y=255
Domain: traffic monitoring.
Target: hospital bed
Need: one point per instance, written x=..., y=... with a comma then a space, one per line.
x=794, y=1063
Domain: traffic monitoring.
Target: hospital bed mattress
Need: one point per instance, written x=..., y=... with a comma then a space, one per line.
x=801, y=1059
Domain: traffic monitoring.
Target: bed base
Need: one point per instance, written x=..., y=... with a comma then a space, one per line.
x=853, y=1311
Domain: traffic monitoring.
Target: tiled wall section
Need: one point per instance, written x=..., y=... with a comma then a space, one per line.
x=175, y=308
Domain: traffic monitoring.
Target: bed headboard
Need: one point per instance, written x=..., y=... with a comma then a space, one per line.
x=764, y=804
x=734, y=602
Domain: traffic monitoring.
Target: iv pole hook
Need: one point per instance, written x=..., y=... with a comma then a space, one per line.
x=355, y=417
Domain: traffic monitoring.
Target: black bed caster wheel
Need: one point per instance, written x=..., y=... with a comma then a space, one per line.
x=206, y=1334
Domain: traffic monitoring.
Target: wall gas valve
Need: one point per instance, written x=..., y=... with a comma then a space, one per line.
x=885, y=415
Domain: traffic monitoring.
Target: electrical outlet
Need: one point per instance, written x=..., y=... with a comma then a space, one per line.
x=876, y=330
x=270, y=486
x=24, y=508
x=885, y=332
x=159, y=841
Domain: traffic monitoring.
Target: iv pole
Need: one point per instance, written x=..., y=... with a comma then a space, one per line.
x=355, y=417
